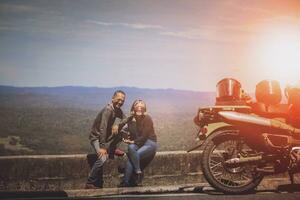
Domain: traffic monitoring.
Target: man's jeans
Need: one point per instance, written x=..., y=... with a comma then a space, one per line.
x=96, y=173
x=135, y=154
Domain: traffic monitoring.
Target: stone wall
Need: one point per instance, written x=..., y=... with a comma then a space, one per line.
x=63, y=172
x=69, y=172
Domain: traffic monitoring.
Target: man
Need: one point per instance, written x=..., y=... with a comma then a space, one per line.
x=104, y=137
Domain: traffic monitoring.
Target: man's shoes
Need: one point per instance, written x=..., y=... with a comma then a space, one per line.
x=91, y=186
x=123, y=184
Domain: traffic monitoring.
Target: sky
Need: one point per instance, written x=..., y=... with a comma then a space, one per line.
x=180, y=44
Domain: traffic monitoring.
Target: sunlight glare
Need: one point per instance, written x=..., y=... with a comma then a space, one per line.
x=279, y=54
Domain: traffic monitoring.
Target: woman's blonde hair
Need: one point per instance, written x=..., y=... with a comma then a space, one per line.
x=141, y=104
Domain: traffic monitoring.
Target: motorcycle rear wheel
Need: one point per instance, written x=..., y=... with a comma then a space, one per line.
x=224, y=145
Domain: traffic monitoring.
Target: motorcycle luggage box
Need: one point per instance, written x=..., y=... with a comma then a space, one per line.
x=293, y=95
x=268, y=92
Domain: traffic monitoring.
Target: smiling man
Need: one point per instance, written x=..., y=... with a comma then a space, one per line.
x=102, y=139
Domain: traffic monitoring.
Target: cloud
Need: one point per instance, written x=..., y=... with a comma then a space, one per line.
x=100, y=23
x=211, y=33
x=193, y=34
x=240, y=6
x=142, y=26
x=17, y=8
x=8, y=28
x=128, y=25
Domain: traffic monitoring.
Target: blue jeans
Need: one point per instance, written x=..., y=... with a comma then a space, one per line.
x=96, y=174
x=135, y=154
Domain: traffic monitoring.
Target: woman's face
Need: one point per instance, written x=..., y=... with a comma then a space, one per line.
x=139, y=110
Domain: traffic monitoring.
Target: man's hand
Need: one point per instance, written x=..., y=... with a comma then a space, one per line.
x=115, y=129
x=128, y=141
x=102, y=152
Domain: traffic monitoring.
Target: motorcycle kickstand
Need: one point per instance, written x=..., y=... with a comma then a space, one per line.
x=291, y=174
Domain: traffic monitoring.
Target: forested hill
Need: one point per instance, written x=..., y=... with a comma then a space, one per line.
x=158, y=100
x=51, y=120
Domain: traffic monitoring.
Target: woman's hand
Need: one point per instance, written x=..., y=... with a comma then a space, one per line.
x=127, y=141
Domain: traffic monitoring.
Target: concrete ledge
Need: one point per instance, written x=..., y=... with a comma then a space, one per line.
x=69, y=172
x=63, y=172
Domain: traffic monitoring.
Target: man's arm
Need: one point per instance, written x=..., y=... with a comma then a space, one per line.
x=99, y=131
x=103, y=128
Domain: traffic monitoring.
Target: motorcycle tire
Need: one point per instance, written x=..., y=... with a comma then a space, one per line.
x=212, y=142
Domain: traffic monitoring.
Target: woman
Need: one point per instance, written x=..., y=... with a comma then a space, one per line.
x=141, y=142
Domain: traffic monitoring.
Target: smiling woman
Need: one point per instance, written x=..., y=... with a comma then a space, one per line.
x=278, y=53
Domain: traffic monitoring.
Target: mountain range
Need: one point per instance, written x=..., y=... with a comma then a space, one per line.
x=57, y=120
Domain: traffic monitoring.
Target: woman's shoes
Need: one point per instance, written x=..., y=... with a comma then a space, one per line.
x=123, y=184
x=91, y=186
x=139, y=178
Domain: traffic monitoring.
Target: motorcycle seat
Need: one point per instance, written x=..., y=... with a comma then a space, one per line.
x=271, y=111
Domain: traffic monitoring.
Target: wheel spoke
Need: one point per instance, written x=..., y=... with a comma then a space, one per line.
x=245, y=177
x=216, y=165
x=230, y=176
x=217, y=175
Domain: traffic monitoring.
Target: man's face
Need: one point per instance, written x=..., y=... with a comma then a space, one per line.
x=118, y=100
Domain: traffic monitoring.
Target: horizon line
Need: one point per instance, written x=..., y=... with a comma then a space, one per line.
x=108, y=87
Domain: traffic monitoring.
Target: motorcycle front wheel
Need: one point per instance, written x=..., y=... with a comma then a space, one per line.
x=222, y=146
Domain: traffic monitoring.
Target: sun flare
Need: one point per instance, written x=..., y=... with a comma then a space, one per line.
x=278, y=54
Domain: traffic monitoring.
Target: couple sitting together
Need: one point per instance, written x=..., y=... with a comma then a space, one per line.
x=136, y=130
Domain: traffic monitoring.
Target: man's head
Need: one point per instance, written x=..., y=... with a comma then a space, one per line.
x=118, y=99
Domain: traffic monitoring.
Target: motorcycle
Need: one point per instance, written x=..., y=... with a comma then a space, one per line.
x=243, y=141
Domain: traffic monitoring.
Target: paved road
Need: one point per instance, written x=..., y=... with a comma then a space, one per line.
x=268, y=195
x=257, y=196
x=286, y=192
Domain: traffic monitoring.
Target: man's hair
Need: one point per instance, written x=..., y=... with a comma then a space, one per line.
x=118, y=91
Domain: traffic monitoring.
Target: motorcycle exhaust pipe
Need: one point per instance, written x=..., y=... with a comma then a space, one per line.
x=235, y=161
x=235, y=117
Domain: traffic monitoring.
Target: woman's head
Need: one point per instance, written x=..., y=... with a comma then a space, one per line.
x=138, y=108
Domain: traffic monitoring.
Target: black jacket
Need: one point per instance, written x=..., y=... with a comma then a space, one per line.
x=102, y=126
x=140, y=131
